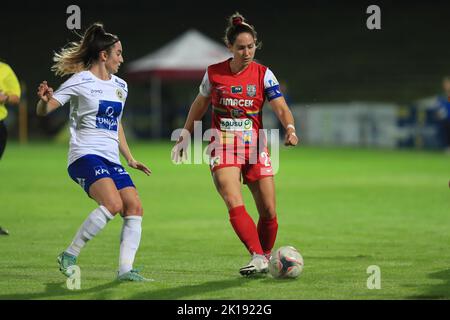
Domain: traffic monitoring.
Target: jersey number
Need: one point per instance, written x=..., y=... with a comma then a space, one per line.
x=266, y=158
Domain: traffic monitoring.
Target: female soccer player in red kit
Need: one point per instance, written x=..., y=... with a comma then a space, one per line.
x=237, y=89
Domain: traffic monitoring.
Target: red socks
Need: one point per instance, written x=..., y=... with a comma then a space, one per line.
x=267, y=231
x=245, y=228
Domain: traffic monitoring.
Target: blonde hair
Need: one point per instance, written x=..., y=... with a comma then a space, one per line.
x=79, y=56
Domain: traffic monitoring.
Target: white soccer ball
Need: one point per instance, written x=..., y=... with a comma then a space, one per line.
x=286, y=262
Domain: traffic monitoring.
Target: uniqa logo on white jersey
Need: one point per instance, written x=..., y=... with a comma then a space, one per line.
x=236, y=102
x=107, y=115
x=107, y=123
x=236, y=124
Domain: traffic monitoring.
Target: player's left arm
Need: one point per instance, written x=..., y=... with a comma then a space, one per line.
x=11, y=99
x=125, y=151
x=11, y=95
x=286, y=118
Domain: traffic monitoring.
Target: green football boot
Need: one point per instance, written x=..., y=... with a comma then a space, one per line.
x=133, y=275
x=66, y=260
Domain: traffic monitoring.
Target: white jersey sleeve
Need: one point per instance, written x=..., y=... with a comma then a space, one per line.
x=271, y=86
x=121, y=83
x=205, y=86
x=70, y=88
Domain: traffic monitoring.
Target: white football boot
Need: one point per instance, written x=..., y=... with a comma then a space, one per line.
x=258, y=265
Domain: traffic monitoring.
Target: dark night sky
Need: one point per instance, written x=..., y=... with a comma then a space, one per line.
x=321, y=48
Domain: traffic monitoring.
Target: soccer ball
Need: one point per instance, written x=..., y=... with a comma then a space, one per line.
x=286, y=262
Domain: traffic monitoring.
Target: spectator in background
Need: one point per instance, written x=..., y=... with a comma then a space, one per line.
x=9, y=95
x=443, y=111
x=285, y=91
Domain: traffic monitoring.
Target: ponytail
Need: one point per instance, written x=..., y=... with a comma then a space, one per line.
x=79, y=56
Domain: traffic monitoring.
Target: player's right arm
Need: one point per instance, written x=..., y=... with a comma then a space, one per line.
x=196, y=112
x=46, y=102
x=199, y=106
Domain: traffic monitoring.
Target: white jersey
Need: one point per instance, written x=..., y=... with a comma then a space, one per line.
x=96, y=108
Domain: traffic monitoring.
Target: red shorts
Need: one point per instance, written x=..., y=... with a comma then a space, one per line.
x=253, y=168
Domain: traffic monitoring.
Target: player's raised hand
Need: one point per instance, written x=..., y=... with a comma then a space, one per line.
x=140, y=166
x=290, y=138
x=44, y=92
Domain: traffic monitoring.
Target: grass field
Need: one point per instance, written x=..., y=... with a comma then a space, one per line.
x=344, y=209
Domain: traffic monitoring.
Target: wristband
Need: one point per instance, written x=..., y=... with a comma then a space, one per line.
x=290, y=126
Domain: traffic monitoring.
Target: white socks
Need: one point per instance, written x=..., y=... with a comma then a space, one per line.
x=129, y=242
x=94, y=223
x=129, y=238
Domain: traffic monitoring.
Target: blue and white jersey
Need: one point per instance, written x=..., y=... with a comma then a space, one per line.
x=442, y=105
x=96, y=108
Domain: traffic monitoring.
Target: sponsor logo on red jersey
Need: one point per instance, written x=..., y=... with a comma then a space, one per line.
x=236, y=102
x=236, y=89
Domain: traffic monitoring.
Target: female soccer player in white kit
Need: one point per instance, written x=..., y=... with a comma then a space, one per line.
x=97, y=98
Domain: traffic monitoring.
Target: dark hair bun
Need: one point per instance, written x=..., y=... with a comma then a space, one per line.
x=236, y=19
x=236, y=25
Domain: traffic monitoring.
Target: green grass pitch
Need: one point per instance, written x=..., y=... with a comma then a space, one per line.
x=345, y=209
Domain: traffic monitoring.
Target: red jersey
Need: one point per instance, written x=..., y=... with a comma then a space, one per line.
x=237, y=100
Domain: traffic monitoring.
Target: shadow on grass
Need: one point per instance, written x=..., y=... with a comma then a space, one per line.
x=58, y=289
x=191, y=290
x=437, y=291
